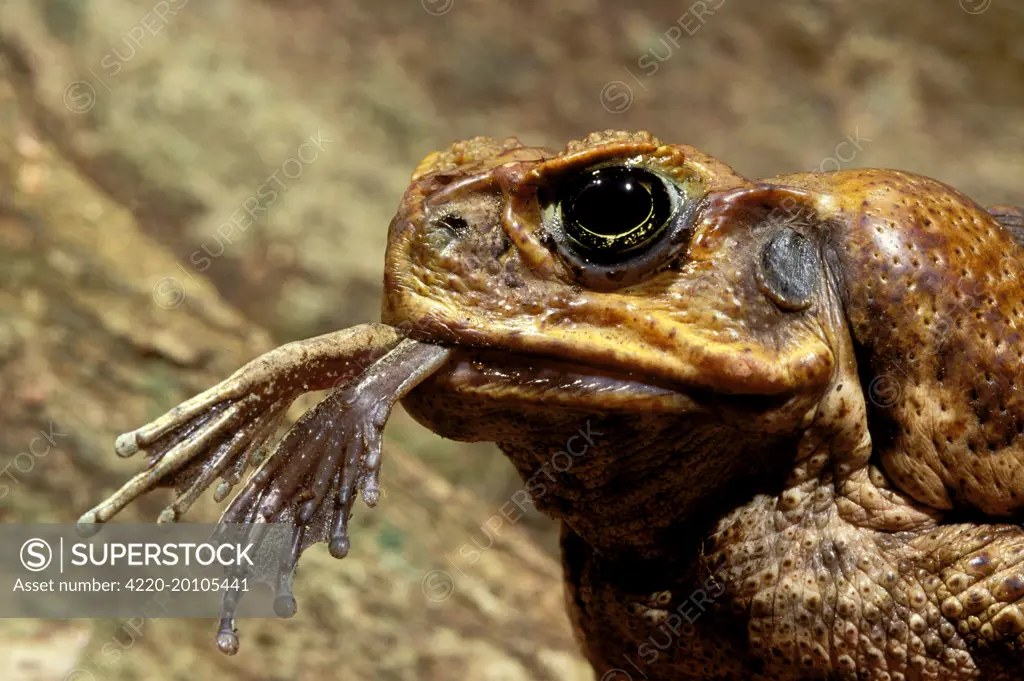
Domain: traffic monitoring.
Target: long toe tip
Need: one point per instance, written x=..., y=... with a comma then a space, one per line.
x=339, y=547
x=371, y=495
x=87, y=525
x=227, y=641
x=285, y=606
x=222, y=491
x=125, y=445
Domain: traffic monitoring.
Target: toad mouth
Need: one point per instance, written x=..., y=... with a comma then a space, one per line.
x=536, y=378
x=531, y=379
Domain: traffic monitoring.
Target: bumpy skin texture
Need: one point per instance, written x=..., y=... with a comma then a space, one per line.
x=786, y=444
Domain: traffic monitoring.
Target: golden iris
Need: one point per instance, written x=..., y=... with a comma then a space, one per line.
x=610, y=213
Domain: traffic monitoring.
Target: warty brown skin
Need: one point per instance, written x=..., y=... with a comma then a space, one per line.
x=784, y=441
x=810, y=489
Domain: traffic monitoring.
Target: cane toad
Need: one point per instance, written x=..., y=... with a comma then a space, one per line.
x=805, y=436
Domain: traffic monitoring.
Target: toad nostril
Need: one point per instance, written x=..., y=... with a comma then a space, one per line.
x=452, y=222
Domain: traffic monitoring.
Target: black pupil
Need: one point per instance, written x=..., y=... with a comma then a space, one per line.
x=608, y=213
x=609, y=206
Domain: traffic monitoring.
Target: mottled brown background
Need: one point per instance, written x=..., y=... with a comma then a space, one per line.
x=130, y=131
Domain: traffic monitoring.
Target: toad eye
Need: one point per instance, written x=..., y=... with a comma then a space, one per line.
x=610, y=214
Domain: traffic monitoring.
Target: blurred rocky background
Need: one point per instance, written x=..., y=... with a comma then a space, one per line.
x=185, y=183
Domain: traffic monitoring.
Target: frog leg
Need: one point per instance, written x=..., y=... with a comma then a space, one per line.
x=221, y=431
x=314, y=473
x=332, y=452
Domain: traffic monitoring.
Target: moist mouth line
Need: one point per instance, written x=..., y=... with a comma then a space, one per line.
x=536, y=367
